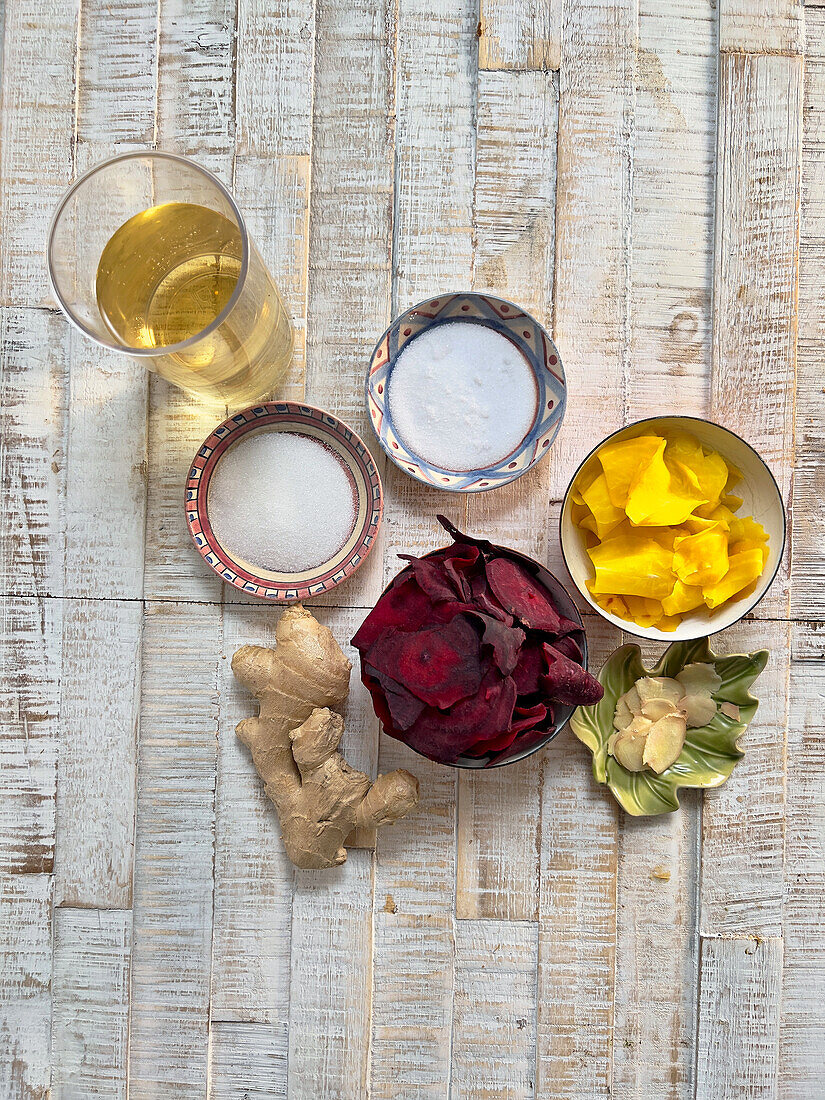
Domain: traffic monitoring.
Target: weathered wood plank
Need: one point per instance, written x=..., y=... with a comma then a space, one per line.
x=329, y=1007
x=25, y=985
x=671, y=292
x=743, y=822
x=273, y=193
x=432, y=227
x=253, y=877
x=593, y=206
x=802, y=1027
x=762, y=26
x=35, y=140
x=34, y=348
x=99, y=716
x=30, y=658
x=522, y=35
x=90, y=1019
x=494, y=1034
x=514, y=218
x=174, y=852
x=196, y=94
x=117, y=72
x=248, y=1061
x=351, y=227
x=739, y=1018
x=757, y=242
x=577, y=908
x=808, y=592
x=274, y=76
x=673, y=205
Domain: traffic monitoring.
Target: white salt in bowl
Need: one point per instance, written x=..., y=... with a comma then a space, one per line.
x=761, y=499
x=529, y=440
x=354, y=474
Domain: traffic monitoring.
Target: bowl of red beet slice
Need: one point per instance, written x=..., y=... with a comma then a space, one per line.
x=475, y=655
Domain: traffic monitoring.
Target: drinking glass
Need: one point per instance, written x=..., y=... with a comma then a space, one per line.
x=149, y=255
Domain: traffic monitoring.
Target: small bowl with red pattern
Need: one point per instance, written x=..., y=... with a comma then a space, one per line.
x=397, y=417
x=354, y=470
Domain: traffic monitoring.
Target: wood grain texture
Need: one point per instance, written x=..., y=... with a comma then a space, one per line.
x=99, y=717
x=522, y=35
x=593, y=209
x=30, y=669
x=35, y=140
x=802, y=1027
x=577, y=911
x=174, y=852
x=350, y=277
x=762, y=26
x=196, y=87
x=755, y=277
x=117, y=71
x=329, y=1009
x=274, y=77
x=25, y=985
x=494, y=1034
x=743, y=822
x=253, y=876
x=514, y=222
x=248, y=1061
x=808, y=592
x=90, y=1019
x=674, y=133
x=739, y=1018
x=34, y=347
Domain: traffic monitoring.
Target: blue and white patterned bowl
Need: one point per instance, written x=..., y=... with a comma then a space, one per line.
x=528, y=336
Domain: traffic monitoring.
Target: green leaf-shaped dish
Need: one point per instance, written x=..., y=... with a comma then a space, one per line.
x=710, y=751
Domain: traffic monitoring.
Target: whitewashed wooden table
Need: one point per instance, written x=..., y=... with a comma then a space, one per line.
x=633, y=172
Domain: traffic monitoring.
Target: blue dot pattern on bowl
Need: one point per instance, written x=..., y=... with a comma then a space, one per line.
x=508, y=320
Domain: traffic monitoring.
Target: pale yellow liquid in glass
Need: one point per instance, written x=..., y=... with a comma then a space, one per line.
x=167, y=274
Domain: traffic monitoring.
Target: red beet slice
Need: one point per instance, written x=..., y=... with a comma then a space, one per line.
x=567, y=682
x=524, y=718
x=484, y=599
x=439, y=664
x=403, y=706
x=459, y=563
x=505, y=641
x=404, y=606
x=433, y=578
x=523, y=596
x=445, y=737
x=569, y=647
x=526, y=741
x=530, y=667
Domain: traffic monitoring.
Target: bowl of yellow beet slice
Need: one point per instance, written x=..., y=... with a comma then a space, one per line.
x=673, y=528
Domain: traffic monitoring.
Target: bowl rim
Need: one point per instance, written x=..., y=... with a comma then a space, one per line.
x=476, y=763
x=650, y=633
x=501, y=481
x=297, y=412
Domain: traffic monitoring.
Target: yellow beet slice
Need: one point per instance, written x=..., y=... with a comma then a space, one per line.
x=706, y=470
x=683, y=598
x=660, y=496
x=605, y=514
x=632, y=565
x=702, y=559
x=745, y=568
x=620, y=462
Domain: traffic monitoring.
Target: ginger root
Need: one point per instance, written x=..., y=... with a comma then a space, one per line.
x=294, y=740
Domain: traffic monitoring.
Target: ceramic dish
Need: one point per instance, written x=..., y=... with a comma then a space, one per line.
x=357, y=461
x=710, y=752
x=566, y=607
x=761, y=499
x=528, y=336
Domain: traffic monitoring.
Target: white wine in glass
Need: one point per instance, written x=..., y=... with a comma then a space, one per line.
x=178, y=284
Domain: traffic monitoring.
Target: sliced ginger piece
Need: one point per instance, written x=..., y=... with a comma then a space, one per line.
x=654, y=709
x=698, y=678
x=665, y=740
x=294, y=740
x=698, y=710
x=658, y=687
x=624, y=715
